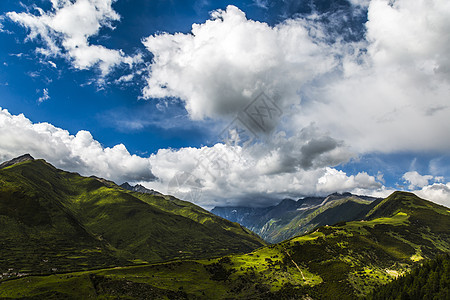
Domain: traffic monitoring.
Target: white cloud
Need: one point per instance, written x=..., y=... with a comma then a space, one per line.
x=219, y=175
x=392, y=94
x=226, y=174
x=226, y=61
x=437, y=192
x=45, y=96
x=416, y=180
x=360, y=3
x=125, y=78
x=257, y=175
x=338, y=181
x=65, y=31
x=412, y=35
x=51, y=64
x=80, y=152
x=386, y=93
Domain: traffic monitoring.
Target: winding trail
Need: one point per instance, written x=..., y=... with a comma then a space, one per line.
x=295, y=264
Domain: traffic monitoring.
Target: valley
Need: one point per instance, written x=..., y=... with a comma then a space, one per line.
x=71, y=237
x=290, y=218
x=56, y=221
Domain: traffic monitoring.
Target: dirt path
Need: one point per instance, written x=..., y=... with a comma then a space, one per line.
x=295, y=264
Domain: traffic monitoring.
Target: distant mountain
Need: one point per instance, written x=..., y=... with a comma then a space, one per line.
x=52, y=221
x=344, y=261
x=140, y=189
x=291, y=218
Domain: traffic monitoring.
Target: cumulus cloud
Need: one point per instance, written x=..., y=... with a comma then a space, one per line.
x=217, y=175
x=334, y=180
x=411, y=35
x=225, y=174
x=437, y=192
x=80, y=152
x=391, y=93
x=385, y=93
x=257, y=175
x=227, y=61
x=416, y=180
x=65, y=31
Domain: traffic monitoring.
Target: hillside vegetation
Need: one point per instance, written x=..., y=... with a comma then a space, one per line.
x=56, y=221
x=292, y=218
x=431, y=280
x=343, y=261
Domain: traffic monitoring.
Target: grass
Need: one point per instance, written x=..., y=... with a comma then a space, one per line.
x=347, y=260
x=300, y=222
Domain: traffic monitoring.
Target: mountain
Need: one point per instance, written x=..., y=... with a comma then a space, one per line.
x=140, y=189
x=22, y=158
x=343, y=261
x=290, y=218
x=52, y=221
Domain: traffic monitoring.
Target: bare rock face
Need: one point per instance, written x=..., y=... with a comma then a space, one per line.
x=20, y=159
x=140, y=189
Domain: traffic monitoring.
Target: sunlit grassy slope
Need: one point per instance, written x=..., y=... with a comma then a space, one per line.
x=343, y=261
x=53, y=221
x=291, y=218
x=345, y=209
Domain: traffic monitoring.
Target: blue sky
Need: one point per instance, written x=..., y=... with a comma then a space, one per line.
x=135, y=91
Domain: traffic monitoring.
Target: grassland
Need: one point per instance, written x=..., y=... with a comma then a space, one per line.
x=344, y=261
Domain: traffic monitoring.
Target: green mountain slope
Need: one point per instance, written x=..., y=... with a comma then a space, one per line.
x=55, y=221
x=334, y=262
x=292, y=218
x=431, y=280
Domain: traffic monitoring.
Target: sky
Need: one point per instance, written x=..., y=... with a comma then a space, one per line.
x=227, y=103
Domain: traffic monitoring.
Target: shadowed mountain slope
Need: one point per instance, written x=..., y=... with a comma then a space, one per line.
x=54, y=220
x=291, y=218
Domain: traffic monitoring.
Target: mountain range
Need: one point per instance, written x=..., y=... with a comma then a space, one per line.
x=65, y=236
x=53, y=220
x=140, y=189
x=290, y=218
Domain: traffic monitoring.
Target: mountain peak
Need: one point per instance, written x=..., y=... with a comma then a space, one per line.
x=398, y=200
x=345, y=194
x=140, y=189
x=20, y=159
x=286, y=201
x=126, y=186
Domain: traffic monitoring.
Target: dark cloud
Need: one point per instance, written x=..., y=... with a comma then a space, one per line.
x=314, y=148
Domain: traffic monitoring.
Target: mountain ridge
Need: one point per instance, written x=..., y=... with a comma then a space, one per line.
x=78, y=221
x=290, y=218
x=140, y=189
x=17, y=160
